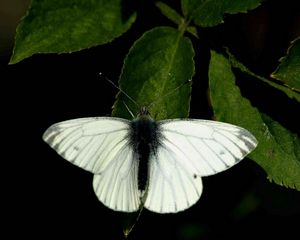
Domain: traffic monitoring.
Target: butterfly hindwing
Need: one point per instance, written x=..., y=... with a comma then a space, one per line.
x=172, y=187
x=117, y=187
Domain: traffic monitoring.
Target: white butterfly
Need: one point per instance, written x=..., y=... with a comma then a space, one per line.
x=157, y=165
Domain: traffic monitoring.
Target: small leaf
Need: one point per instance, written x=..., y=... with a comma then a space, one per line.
x=192, y=30
x=288, y=91
x=177, y=19
x=208, y=13
x=169, y=13
x=288, y=70
x=157, y=71
x=278, y=150
x=63, y=26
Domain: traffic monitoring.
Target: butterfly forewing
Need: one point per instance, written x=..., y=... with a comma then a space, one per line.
x=90, y=143
x=206, y=147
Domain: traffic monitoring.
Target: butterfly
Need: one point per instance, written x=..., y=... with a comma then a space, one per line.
x=146, y=163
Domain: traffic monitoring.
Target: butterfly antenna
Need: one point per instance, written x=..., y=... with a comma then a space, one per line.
x=169, y=93
x=128, y=109
x=117, y=87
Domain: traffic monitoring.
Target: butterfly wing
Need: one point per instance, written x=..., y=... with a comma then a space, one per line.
x=89, y=143
x=172, y=187
x=100, y=145
x=117, y=187
x=207, y=147
x=191, y=149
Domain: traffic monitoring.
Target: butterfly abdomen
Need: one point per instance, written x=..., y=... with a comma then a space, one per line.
x=145, y=139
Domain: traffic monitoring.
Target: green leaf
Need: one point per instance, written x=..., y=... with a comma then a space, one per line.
x=188, y=6
x=288, y=91
x=192, y=30
x=208, y=13
x=169, y=13
x=288, y=70
x=278, y=151
x=63, y=26
x=156, y=74
x=177, y=19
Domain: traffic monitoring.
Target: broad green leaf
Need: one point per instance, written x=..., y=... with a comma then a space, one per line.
x=156, y=74
x=169, y=13
x=288, y=91
x=278, y=151
x=208, y=13
x=288, y=70
x=63, y=26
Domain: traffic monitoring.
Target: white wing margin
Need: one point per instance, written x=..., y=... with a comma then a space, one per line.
x=206, y=147
x=89, y=143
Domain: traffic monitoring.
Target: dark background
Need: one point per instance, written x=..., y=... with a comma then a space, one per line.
x=45, y=196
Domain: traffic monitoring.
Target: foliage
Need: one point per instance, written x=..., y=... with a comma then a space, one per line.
x=159, y=67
